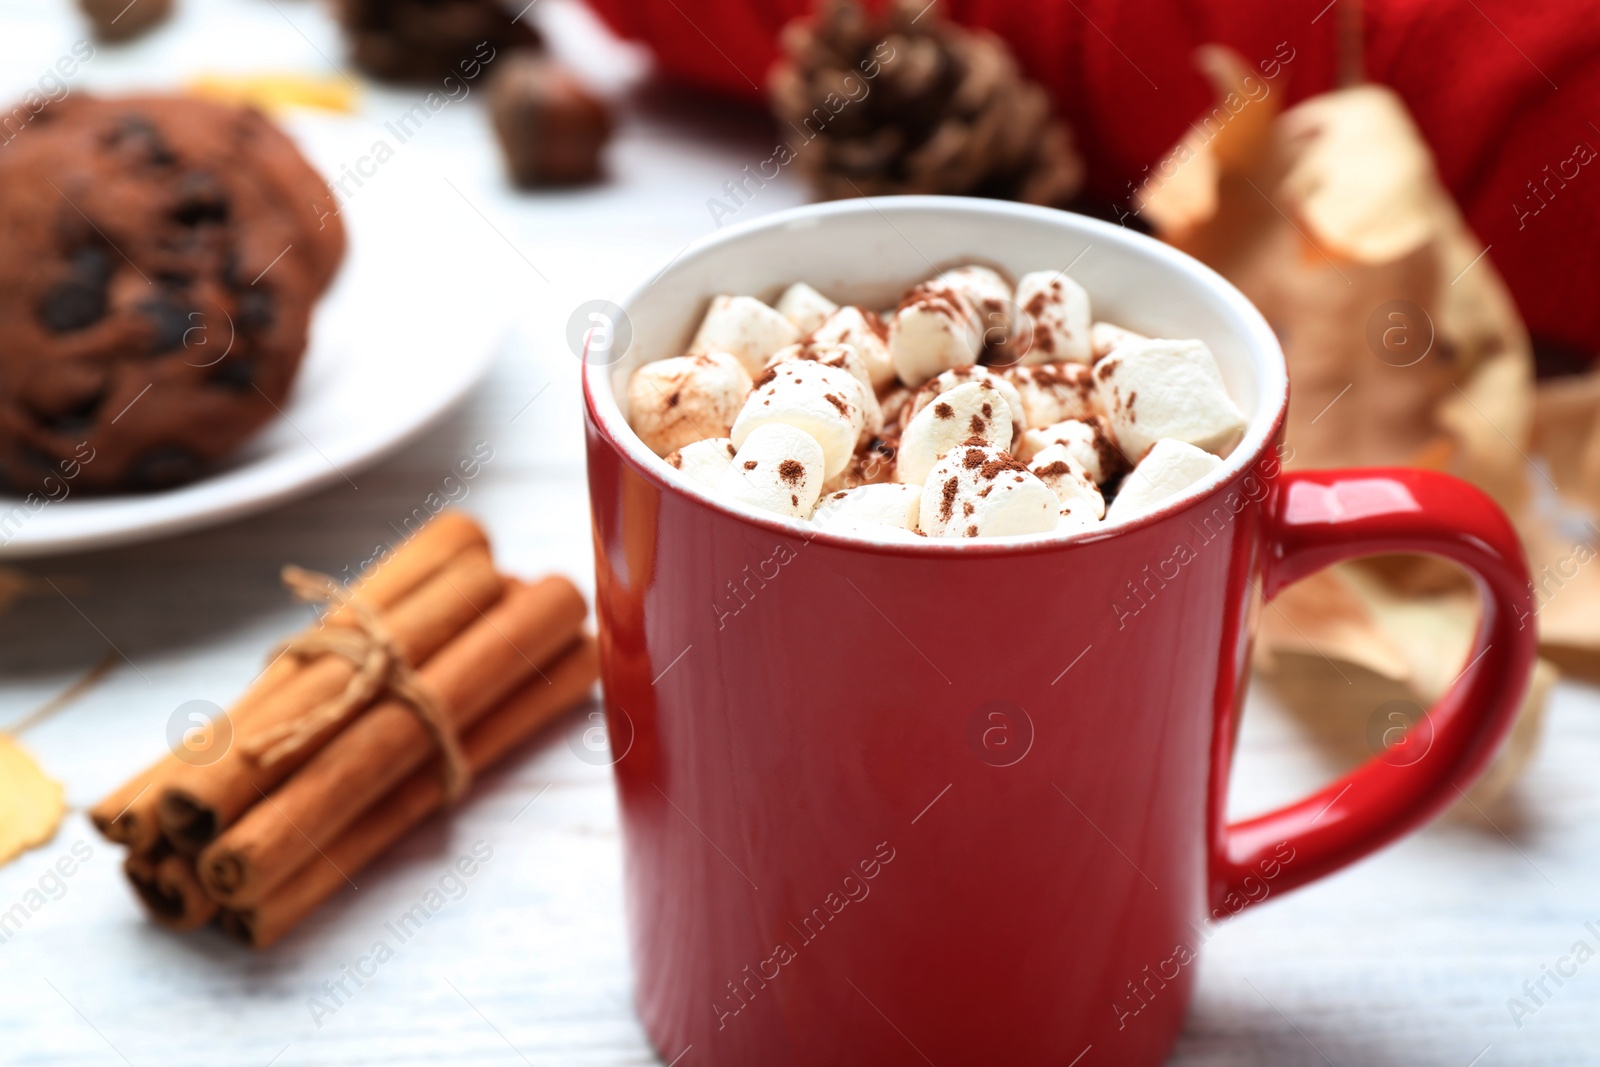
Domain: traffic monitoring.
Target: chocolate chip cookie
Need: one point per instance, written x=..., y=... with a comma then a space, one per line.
x=159, y=261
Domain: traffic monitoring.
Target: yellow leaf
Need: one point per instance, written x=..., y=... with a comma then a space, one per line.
x=1325, y=616
x=276, y=93
x=1363, y=180
x=30, y=804
x=1567, y=434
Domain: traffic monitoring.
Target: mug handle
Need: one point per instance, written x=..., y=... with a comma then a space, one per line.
x=1319, y=518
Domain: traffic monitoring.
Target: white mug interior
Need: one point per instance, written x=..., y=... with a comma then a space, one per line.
x=868, y=251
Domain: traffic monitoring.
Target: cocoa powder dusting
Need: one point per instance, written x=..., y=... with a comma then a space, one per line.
x=999, y=465
x=947, y=499
x=791, y=471
x=944, y=411
x=840, y=405
x=750, y=464
x=977, y=425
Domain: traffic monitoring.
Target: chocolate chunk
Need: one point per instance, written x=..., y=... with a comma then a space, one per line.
x=138, y=138
x=75, y=421
x=200, y=201
x=80, y=301
x=169, y=321
x=235, y=373
x=163, y=467
x=92, y=264
x=254, y=314
x=36, y=457
x=72, y=306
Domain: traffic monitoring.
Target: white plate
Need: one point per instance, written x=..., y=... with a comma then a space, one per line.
x=411, y=323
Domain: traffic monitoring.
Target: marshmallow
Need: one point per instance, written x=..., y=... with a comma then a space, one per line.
x=673, y=402
x=804, y=307
x=974, y=409
x=842, y=357
x=1058, y=313
x=826, y=402
x=896, y=406
x=977, y=491
x=1104, y=336
x=1077, y=515
x=777, y=468
x=872, y=463
x=1158, y=388
x=934, y=329
x=744, y=327
x=1170, y=467
x=952, y=378
x=990, y=296
x=1058, y=468
x=1052, y=392
x=870, y=509
x=703, y=462
x=1088, y=440
x=865, y=332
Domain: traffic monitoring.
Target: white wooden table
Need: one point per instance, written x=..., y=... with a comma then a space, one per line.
x=1407, y=959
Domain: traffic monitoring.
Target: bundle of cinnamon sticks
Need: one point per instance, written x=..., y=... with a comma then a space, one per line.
x=427, y=670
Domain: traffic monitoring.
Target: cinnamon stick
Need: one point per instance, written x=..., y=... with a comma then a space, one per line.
x=196, y=803
x=166, y=883
x=388, y=581
x=517, y=718
x=330, y=792
x=129, y=815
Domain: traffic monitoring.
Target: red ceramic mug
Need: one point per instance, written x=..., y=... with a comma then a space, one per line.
x=947, y=803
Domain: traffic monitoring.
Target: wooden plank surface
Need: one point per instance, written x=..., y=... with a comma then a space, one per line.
x=1407, y=959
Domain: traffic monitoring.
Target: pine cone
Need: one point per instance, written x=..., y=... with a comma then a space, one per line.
x=910, y=103
x=428, y=40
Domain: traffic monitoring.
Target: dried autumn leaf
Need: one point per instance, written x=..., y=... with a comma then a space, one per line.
x=1362, y=181
x=1566, y=592
x=30, y=803
x=1325, y=616
x=1367, y=360
x=1404, y=347
x=1232, y=138
x=276, y=93
x=1337, y=692
x=1567, y=434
